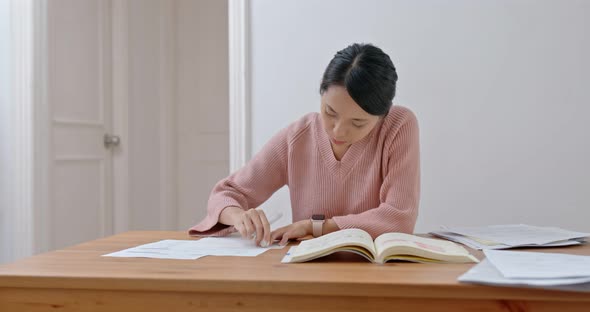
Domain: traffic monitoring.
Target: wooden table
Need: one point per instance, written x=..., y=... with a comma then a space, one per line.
x=79, y=279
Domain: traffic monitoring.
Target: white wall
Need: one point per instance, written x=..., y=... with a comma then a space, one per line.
x=500, y=89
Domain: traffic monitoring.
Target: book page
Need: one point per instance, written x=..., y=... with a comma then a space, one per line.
x=329, y=243
x=390, y=244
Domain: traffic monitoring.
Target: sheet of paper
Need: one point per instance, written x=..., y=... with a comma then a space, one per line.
x=164, y=249
x=194, y=249
x=540, y=265
x=479, y=244
x=230, y=246
x=486, y=273
x=517, y=234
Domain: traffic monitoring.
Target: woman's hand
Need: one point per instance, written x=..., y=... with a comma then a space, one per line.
x=251, y=223
x=295, y=230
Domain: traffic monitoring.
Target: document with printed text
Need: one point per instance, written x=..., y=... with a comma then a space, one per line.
x=194, y=249
x=511, y=236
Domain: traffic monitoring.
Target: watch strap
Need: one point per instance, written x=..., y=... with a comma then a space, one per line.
x=317, y=226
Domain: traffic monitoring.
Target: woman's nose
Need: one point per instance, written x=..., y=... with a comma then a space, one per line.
x=339, y=130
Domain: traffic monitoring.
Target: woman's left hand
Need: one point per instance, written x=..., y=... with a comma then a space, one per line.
x=295, y=230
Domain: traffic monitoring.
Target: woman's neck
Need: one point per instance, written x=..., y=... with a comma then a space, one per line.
x=339, y=151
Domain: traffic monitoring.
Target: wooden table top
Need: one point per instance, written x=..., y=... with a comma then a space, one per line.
x=82, y=267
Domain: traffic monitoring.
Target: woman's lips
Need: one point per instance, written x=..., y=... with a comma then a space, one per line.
x=338, y=142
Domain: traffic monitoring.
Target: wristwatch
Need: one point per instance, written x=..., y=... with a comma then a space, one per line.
x=317, y=222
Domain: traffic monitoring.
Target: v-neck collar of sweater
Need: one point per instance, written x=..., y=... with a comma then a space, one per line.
x=341, y=167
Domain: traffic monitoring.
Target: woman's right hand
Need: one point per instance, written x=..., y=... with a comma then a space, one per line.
x=251, y=223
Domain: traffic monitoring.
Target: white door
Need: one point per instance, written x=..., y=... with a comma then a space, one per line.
x=80, y=102
x=138, y=59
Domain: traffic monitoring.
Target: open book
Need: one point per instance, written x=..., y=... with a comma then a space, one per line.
x=386, y=247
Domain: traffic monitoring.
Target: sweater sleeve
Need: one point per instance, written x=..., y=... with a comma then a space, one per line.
x=248, y=187
x=400, y=192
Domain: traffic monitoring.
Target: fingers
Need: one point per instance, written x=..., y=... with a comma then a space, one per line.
x=286, y=237
x=253, y=224
x=245, y=226
x=291, y=231
x=278, y=233
x=284, y=234
x=258, y=227
x=266, y=230
x=240, y=228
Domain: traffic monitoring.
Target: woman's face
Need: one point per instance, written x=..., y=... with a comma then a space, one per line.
x=344, y=121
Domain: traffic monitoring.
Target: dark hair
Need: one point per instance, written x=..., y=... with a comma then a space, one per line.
x=368, y=75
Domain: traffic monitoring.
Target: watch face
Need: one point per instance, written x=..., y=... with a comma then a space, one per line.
x=318, y=217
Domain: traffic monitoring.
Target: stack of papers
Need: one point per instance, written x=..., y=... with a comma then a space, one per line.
x=534, y=269
x=194, y=249
x=511, y=236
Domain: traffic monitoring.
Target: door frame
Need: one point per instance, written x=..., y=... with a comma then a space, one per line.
x=21, y=209
x=40, y=216
x=120, y=89
x=239, y=83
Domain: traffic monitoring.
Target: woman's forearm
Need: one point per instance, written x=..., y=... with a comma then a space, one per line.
x=329, y=227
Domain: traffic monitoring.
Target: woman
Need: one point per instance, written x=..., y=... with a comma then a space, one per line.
x=354, y=165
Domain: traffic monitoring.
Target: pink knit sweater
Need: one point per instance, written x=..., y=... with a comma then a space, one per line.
x=374, y=187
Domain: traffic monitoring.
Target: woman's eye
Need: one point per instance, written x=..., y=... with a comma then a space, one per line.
x=358, y=126
x=330, y=113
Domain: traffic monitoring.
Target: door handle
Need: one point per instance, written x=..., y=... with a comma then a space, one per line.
x=111, y=140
